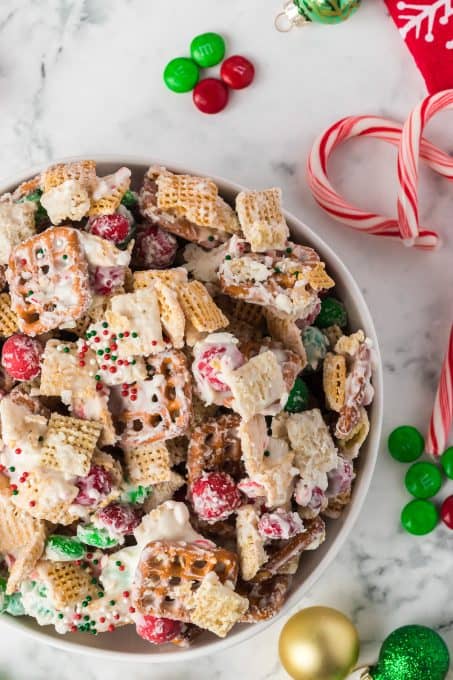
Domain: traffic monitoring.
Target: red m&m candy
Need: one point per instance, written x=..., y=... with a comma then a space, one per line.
x=237, y=72
x=446, y=512
x=210, y=95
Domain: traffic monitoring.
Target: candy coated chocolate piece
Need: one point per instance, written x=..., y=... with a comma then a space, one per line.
x=419, y=517
x=423, y=480
x=406, y=444
x=181, y=74
x=446, y=512
x=210, y=95
x=207, y=49
x=446, y=460
x=237, y=72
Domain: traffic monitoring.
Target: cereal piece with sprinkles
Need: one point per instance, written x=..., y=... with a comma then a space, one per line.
x=69, y=444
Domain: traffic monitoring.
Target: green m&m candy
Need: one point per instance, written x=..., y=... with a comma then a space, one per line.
x=207, y=49
x=181, y=74
x=130, y=199
x=92, y=535
x=136, y=495
x=298, y=397
x=35, y=197
x=423, y=480
x=419, y=517
x=406, y=444
x=332, y=312
x=64, y=548
x=446, y=460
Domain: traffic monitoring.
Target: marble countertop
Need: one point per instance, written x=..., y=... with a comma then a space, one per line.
x=84, y=77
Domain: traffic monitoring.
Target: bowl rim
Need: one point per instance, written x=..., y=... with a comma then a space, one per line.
x=359, y=496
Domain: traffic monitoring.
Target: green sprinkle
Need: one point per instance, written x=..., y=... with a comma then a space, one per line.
x=113, y=357
x=210, y=238
x=15, y=492
x=89, y=598
x=227, y=257
x=134, y=334
x=105, y=324
x=40, y=251
x=97, y=377
x=111, y=603
x=121, y=335
x=95, y=561
x=100, y=594
x=289, y=250
x=86, y=617
x=118, y=563
x=267, y=453
x=133, y=362
x=12, y=468
x=296, y=274
x=30, y=292
x=84, y=603
x=100, y=352
x=65, y=257
x=60, y=616
x=65, y=350
x=94, y=581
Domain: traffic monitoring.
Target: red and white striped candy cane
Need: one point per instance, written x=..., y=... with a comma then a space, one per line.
x=341, y=210
x=408, y=155
x=442, y=416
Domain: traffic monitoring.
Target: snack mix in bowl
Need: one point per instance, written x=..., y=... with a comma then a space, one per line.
x=182, y=403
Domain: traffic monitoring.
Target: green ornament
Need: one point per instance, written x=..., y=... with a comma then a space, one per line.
x=64, y=548
x=91, y=535
x=423, y=480
x=298, y=397
x=207, y=49
x=419, y=517
x=446, y=460
x=327, y=11
x=130, y=199
x=412, y=653
x=299, y=12
x=181, y=74
x=332, y=313
x=316, y=345
x=406, y=444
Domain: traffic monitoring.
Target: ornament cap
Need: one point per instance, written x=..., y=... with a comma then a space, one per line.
x=289, y=18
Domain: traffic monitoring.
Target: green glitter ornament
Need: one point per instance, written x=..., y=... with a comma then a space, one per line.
x=300, y=12
x=411, y=653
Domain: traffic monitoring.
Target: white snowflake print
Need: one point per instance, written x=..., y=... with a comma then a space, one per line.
x=423, y=18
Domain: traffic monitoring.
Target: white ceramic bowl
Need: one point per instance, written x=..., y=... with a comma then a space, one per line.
x=123, y=644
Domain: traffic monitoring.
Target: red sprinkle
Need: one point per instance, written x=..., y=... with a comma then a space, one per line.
x=126, y=593
x=73, y=629
x=81, y=363
x=120, y=362
x=99, y=387
x=113, y=346
x=102, y=619
x=112, y=369
x=2, y=468
x=32, y=504
x=23, y=261
x=17, y=450
x=13, y=487
x=126, y=334
x=154, y=343
x=122, y=567
x=116, y=616
x=111, y=628
x=133, y=397
x=97, y=339
x=131, y=610
x=124, y=394
x=77, y=617
x=89, y=556
x=105, y=332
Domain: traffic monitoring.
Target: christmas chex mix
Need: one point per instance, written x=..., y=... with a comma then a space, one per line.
x=182, y=404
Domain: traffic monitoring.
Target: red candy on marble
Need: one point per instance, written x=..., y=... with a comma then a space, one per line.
x=154, y=248
x=210, y=95
x=215, y=496
x=21, y=357
x=446, y=512
x=96, y=485
x=237, y=72
x=121, y=518
x=158, y=630
x=113, y=228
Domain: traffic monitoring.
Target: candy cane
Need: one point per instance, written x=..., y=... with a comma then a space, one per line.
x=408, y=155
x=442, y=416
x=347, y=213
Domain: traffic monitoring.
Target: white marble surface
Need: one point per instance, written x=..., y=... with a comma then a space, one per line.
x=84, y=76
